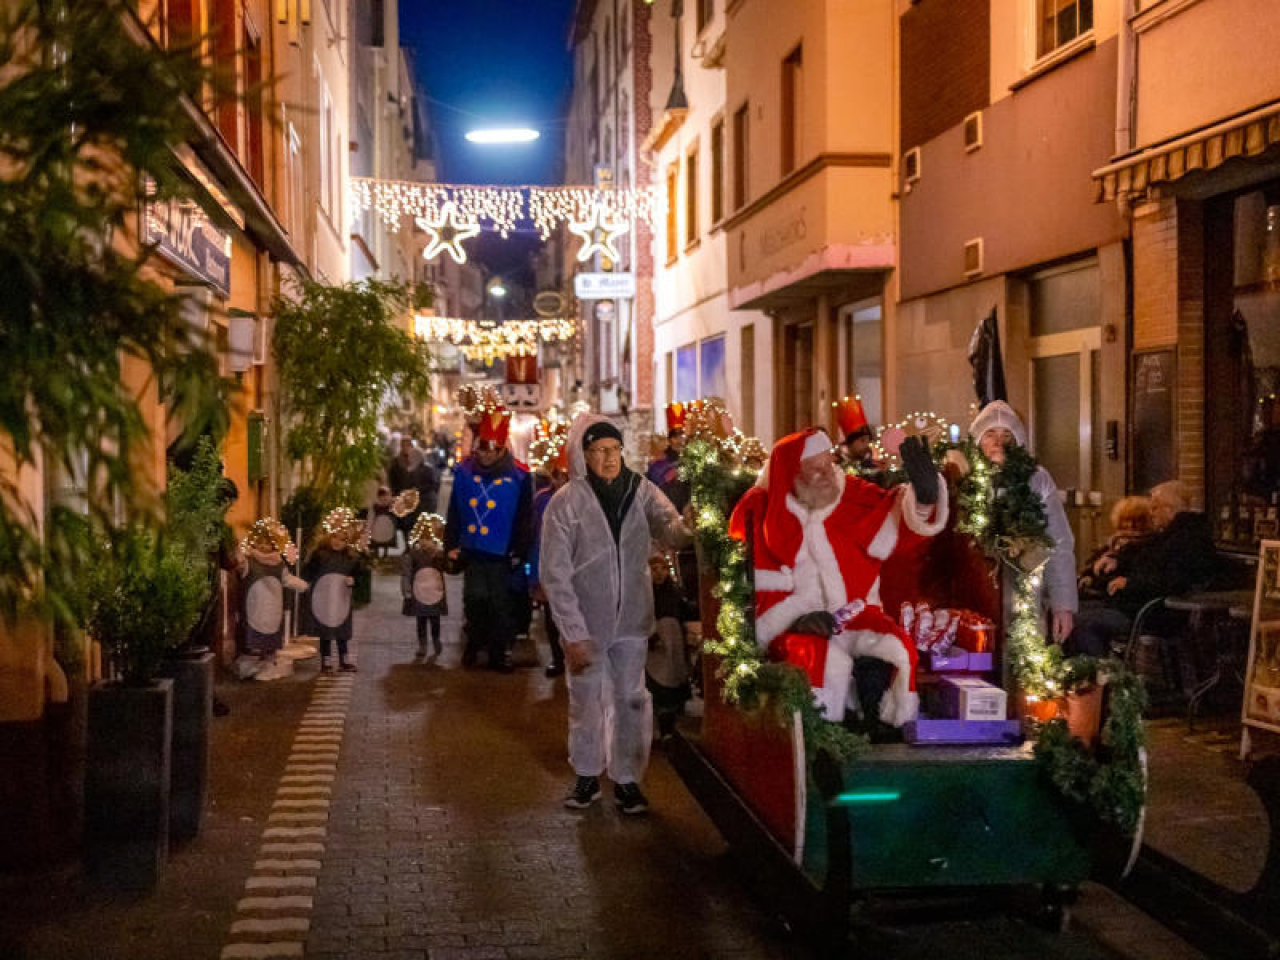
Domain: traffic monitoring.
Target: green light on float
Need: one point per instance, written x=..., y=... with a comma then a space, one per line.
x=862, y=798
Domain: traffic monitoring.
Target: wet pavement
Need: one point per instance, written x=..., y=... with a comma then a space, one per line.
x=412, y=810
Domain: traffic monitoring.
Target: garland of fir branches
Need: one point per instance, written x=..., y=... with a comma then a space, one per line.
x=750, y=680
x=996, y=505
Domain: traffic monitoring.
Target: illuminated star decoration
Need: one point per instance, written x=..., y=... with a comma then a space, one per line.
x=599, y=233
x=447, y=233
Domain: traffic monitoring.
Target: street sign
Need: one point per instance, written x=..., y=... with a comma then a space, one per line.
x=549, y=304
x=604, y=286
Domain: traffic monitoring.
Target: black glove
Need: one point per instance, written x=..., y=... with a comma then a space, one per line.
x=820, y=623
x=923, y=475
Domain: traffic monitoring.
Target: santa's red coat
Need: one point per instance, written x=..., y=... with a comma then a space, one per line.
x=810, y=560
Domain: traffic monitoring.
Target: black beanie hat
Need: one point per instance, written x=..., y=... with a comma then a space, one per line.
x=599, y=431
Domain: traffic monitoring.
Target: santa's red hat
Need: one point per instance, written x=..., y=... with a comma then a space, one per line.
x=851, y=419
x=676, y=413
x=495, y=427
x=782, y=530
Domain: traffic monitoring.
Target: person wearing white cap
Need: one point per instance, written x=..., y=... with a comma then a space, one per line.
x=995, y=429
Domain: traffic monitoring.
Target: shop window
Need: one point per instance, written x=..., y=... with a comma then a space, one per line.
x=1242, y=356
x=1061, y=21
x=862, y=337
x=687, y=373
x=711, y=373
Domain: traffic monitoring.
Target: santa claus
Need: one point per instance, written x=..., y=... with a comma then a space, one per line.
x=818, y=539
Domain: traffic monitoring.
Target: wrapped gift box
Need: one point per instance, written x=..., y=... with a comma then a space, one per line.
x=933, y=730
x=968, y=698
x=951, y=661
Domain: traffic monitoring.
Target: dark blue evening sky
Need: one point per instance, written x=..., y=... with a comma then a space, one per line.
x=493, y=63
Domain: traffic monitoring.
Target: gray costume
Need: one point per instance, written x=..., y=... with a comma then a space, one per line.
x=601, y=596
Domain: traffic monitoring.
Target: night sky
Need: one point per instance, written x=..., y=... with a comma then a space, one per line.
x=493, y=63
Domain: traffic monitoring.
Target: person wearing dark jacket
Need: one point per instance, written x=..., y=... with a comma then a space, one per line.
x=1179, y=556
x=490, y=528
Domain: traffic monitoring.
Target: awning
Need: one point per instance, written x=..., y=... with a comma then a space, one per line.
x=1247, y=135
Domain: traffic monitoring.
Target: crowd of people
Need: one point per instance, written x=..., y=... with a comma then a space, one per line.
x=604, y=553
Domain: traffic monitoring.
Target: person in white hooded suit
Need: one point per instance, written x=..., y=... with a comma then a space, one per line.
x=594, y=568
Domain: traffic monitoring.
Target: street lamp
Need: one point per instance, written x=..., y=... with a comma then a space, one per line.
x=488, y=135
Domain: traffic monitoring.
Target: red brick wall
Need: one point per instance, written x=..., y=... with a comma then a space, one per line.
x=946, y=66
x=1168, y=310
x=644, y=306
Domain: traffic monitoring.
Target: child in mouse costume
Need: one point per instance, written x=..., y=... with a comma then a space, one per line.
x=331, y=569
x=265, y=555
x=422, y=579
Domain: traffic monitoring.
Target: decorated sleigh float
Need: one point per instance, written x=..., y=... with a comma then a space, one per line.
x=825, y=820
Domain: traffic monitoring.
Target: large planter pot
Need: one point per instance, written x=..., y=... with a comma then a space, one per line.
x=192, y=675
x=127, y=783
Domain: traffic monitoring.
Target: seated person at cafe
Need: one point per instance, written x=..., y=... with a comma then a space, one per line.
x=1178, y=556
x=1130, y=523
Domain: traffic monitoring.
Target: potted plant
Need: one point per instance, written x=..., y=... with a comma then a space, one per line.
x=196, y=502
x=143, y=598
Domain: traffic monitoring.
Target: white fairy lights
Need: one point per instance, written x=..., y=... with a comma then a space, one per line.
x=485, y=340
x=500, y=209
x=599, y=234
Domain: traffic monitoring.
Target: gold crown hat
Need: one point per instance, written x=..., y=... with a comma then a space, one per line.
x=425, y=526
x=269, y=535
x=405, y=503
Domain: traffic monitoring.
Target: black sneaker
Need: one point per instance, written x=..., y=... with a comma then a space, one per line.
x=585, y=792
x=554, y=669
x=629, y=799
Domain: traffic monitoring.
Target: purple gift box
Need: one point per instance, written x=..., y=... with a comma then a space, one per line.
x=935, y=730
x=979, y=662
x=951, y=661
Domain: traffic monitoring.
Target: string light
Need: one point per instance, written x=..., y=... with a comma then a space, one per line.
x=447, y=233
x=501, y=208
x=599, y=234
x=487, y=341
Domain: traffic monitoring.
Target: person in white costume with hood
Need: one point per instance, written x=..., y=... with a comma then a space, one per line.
x=594, y=568
x=994, y=429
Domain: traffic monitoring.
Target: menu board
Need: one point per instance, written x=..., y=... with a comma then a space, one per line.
x=1262, y=670
x=1153, y=395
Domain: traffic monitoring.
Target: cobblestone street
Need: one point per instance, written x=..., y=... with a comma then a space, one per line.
x=413, y=811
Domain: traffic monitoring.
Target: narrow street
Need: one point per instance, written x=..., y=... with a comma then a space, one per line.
x=412, y=810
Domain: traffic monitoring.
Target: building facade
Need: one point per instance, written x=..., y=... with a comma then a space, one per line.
x=702, y=346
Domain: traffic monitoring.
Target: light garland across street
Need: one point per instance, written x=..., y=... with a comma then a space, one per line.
x=500, y=208
x=486, y=340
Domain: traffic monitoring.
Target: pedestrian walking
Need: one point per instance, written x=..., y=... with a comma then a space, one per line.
x=595, y=571
x=422, y=580
x=489, y=528
x=331, y=570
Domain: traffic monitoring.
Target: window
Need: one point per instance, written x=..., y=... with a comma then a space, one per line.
x=686, y=374
x=861, y=330
x=691, y=196
x=711, y=367
x=182, y=19
x=225, y=72
x=673, y=232
x=706, y=10
x=740, y=121
x=792, y=108
x=717, y=171
x=293, y=198
x=1061, y=21
x=253, y=79
x=326, y=139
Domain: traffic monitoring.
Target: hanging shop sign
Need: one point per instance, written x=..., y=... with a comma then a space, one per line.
x=604, y=286
x=182, y=233
x=549, y=303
